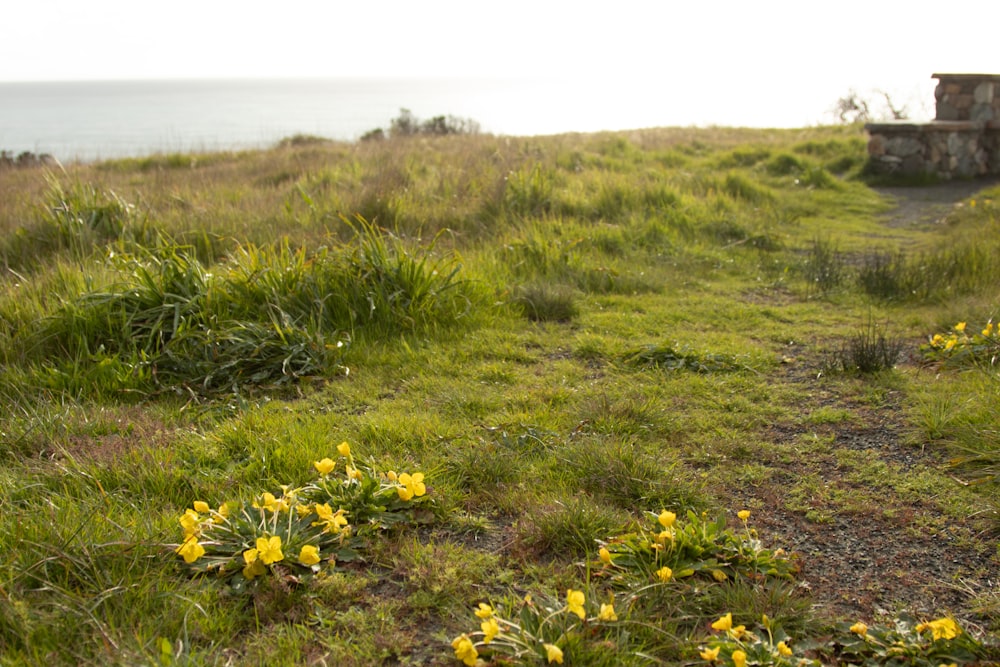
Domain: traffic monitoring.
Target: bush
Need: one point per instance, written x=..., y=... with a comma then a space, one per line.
x=408, y=125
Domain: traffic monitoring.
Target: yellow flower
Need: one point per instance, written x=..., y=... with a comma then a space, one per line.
x=303, y=510
x=664, y=574
x=269, y=549
x=553, y=653
x=391, y=475
x=937, y=340
x=484, y=611
x=201, y=507
x=223, y=510
x=943, y=628
x=739, y=659
x=190, y=523
x=710, y=654
x=738, y=632
x=353, y=473
x=254, y=567
x=332, y=522
x=309, y=555
x=783, y=649
x=664, y=536
x=325, y=466
x=666, y=518
x=743, y=515
x=604, y=555
x=414, y=484
x=607, y=613
x=191, y=550
x=574, y=603
x=490, y=629
x=724, y=623
x=952, y=342
x=465, y=650
x=272, y=504
x=719, y=575
x=859, y=629
x=960, y=327
x=344, y=449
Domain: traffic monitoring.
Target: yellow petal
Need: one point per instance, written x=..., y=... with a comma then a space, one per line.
x=309, y=555
x=724, y=623
x=324, y=466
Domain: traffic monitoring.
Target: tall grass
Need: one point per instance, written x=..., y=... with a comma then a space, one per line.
x=269, y=315
x=943, y=273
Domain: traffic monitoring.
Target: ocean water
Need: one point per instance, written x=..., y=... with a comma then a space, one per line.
x=95, y=120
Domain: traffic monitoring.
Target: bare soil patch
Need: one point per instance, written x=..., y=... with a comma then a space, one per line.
x=884, y=553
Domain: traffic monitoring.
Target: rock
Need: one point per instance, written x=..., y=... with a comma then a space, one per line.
x=876, y=145
x=983, y=93
x=904, y=146
x=981, y=112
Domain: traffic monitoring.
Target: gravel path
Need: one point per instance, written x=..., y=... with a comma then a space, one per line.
x=869, y=552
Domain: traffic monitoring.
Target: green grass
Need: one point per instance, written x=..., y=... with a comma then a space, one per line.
x=564, y=334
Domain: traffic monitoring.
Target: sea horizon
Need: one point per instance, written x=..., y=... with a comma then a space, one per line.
x=107, y=119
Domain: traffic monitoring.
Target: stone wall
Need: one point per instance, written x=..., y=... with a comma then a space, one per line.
x=950, y=149
x=962, y=141
x=973, y=97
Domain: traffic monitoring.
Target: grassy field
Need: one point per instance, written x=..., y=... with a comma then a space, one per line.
x=655, y=397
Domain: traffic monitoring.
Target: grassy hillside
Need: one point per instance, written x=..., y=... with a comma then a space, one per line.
x=656, y=397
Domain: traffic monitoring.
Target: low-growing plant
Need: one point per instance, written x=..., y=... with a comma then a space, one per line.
x=677, y=358
x=535, y=628
x=735, y=645
x=869, y=350
x=905, y=642
x=303, y=529
x=958, y=348
x=666, y=549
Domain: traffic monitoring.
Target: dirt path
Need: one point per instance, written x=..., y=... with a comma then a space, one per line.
x=929, y=205
x=868, y=548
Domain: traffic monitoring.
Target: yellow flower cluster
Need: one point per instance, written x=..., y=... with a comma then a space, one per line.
x=740, y=645
x=306, y=520
x=551, y=625
x=193, y=523
x=959, y=338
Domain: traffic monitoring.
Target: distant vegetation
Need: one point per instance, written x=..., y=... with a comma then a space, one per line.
x=408, y=125
x=650, y=397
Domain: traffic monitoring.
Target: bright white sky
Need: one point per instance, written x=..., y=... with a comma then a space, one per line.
x=733, y=50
